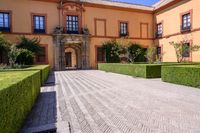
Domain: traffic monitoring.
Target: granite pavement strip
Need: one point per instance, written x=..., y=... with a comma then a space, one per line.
x=94, y=101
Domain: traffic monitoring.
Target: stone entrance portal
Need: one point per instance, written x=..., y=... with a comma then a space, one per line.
x=71, y=51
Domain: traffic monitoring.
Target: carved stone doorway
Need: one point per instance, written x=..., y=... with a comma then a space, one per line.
x=78, y=45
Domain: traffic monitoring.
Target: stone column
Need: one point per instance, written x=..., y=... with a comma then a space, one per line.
x=86, y=52
x=62, y=56
x=57, y=52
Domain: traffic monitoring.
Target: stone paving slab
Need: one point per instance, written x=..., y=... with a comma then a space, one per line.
x=94, y=101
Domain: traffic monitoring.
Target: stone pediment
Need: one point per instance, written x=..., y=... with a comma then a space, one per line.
x=72, y=6
x=73, y=39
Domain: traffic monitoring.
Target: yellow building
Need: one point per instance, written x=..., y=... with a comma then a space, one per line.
x=72, y=31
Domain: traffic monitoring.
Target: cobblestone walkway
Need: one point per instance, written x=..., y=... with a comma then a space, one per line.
x=99, y=102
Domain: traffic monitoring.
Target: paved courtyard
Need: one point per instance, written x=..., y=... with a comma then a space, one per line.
x=98, y=102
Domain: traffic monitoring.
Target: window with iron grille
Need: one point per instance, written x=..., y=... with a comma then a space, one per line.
x=158, y=50
x=186, y=50
x=123, y=29
x=39, y=24
x=186, y=22
x=159, y=31
x=4, y=22
x=100, y=54
x=72, y=26
x=41, y=56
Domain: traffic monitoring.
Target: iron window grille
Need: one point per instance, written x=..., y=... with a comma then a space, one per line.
x=4, y=22
x=186, y=50
x=72, y=25
x=159, y=30
x=123, y=29
x=186, y=23
x=39, y=24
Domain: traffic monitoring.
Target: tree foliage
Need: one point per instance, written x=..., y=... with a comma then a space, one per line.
x=181, y=49
x=4, y=44
x=13, y=54
x=29, y=44
x=151, y=54
x=25, y=57
x=136, y=53
x=113, y=50
x=4, y=48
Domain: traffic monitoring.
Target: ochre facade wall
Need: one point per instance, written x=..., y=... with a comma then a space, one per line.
x=171, y=19
x=103, y=24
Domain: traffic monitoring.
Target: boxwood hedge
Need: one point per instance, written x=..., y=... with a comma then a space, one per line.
x=44, y=71
x=185, y=75
x=19, y=89
x=18, y=92
x=137, y=70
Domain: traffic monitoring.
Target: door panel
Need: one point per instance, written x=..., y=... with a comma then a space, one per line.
x=68, y=57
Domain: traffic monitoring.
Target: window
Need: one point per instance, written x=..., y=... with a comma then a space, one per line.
x=39, y=24
x=186, y=22
x=72, y=25
x=159, y=31
x=4, y=22
x=123, y=29
x=158, y=51
x=186, y=50
x=41, y=56
x=100, y=54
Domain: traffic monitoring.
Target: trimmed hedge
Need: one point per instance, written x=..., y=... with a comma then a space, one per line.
x=19, y=89
x=185, y=75
x=44, y=71
x=18, y=92
x=137, y=70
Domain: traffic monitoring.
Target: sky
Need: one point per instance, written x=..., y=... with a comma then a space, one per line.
x=143, y=2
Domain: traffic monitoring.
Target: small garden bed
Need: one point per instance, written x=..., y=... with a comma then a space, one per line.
x=137, y=70
x=188, y=75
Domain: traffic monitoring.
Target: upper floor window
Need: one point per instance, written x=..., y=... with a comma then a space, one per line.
x=39, y=24
x=123, y=29
x=186, y=22
x=72, y=24
x=159, y=30
x=4, y=22
x=186, y=50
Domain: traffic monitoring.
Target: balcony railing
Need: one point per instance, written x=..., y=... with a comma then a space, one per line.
x=158, y=35
x=63, y=30
x=185, y=29
x=124, y=34
x=4, y=29
x=39, y=31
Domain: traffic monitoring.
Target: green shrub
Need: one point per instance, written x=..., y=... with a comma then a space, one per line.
x=137, y=70
x=136, y=53
x=18, y=92
x=44, y=71
x=185, y=75
x=113, y=50
x=25, y=57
